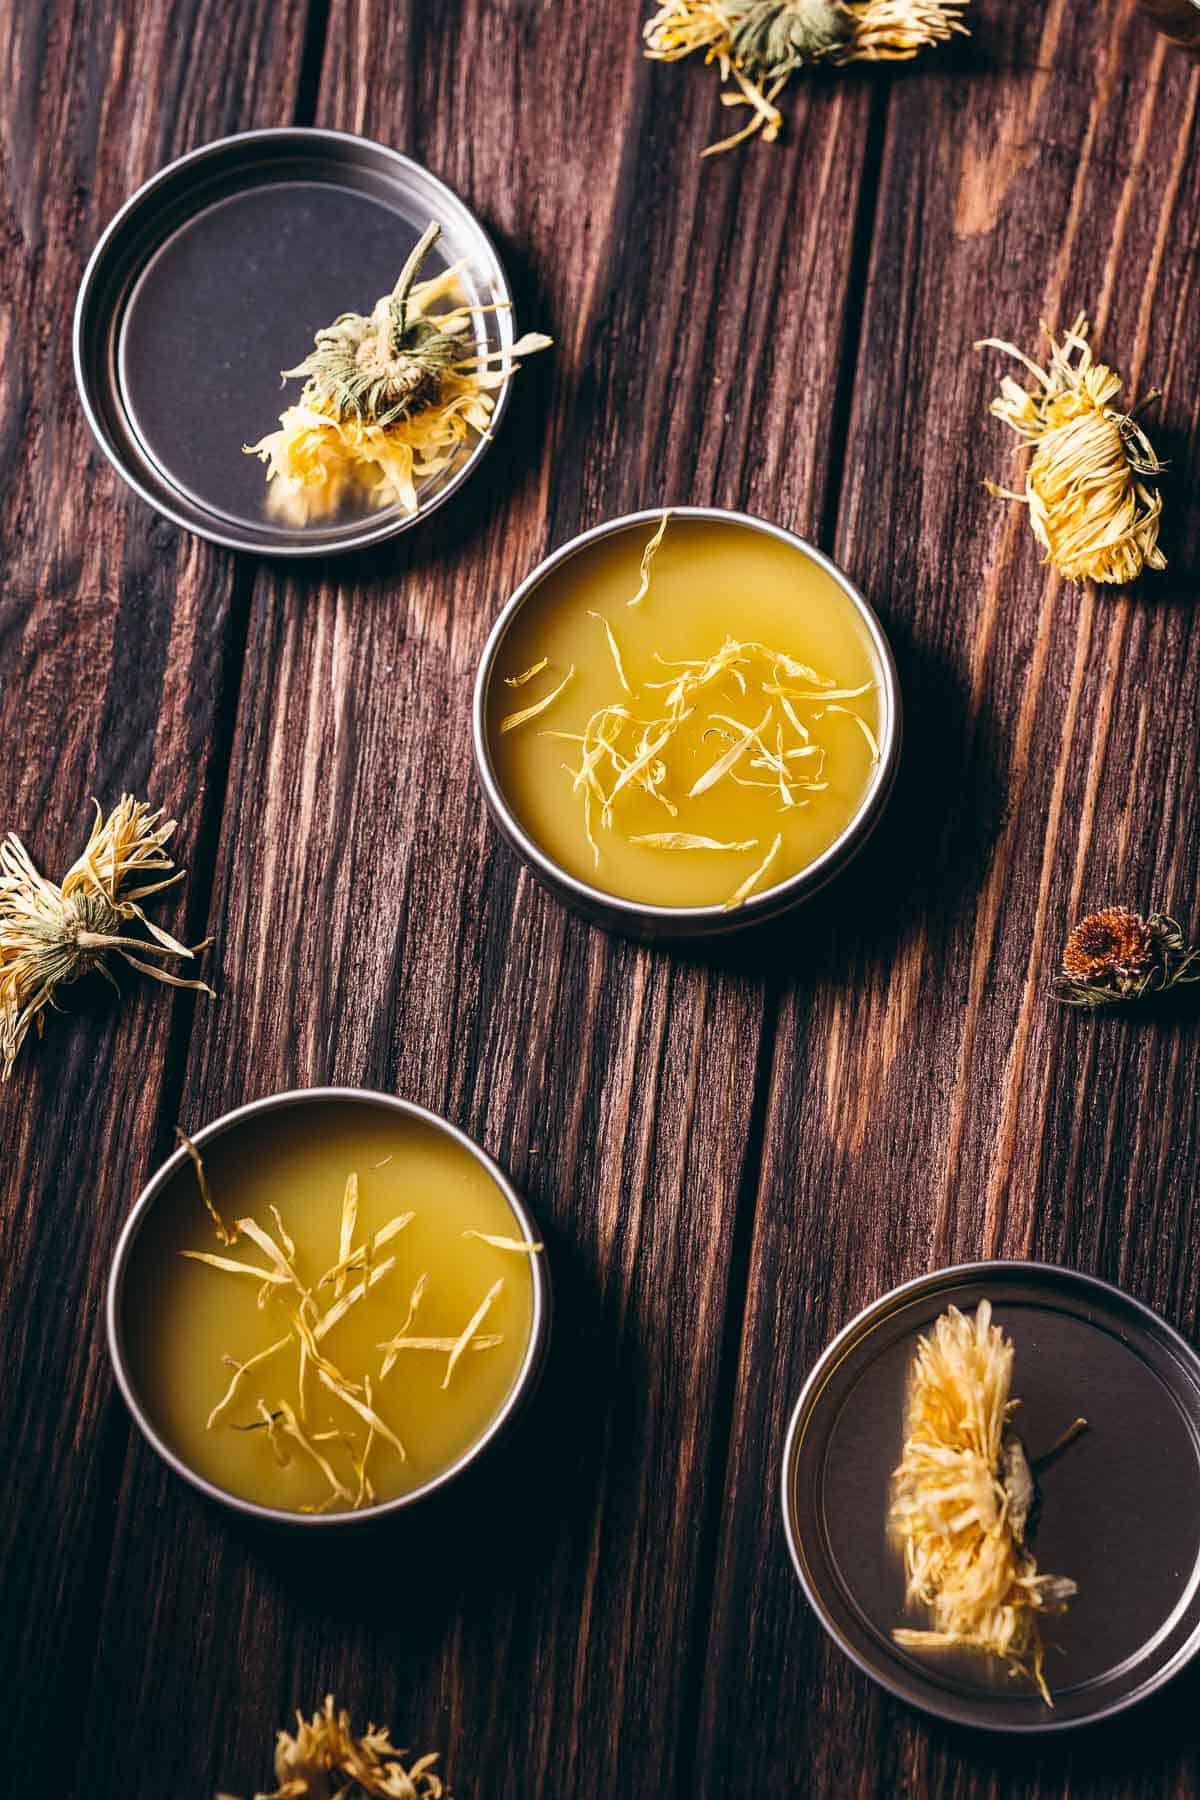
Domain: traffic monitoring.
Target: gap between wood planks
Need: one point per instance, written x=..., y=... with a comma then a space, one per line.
x=746, y=1205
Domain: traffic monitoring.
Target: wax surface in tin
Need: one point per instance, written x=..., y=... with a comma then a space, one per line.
x=709, y=581
x=185, y=1317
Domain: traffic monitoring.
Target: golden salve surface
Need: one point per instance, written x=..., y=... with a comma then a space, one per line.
x=710, y=583
x=186, y=1318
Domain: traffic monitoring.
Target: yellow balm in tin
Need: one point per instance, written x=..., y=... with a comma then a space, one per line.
x=329, y=1306
x=687, y=715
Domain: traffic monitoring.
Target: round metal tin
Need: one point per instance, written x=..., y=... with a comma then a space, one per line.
x=215, y=276
x=640, y=919
x=1120, y=1510
x=160, y=1184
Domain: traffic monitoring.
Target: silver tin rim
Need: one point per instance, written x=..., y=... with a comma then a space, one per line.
x=641, y=918
x=850, y=1333
x=347, y=538
x=519, y=1393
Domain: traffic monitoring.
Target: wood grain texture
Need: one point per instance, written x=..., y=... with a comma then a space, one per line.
x=728, y=1154
x=114, y=643
x=927, y=1103
x=542, y=1630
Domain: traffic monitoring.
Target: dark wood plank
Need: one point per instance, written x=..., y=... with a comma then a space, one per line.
x=927, y=1102
x=541, y=1630
x=114, y=637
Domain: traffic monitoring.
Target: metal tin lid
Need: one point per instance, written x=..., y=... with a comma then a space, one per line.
x=215, y=276
x=1120, y=1507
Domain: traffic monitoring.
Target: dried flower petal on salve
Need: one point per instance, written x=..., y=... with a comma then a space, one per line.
x=648, y=555
x=961, y=1499
x=505, y=1243
x=470, y=1330
x=512, y=720
x=1116, y=958
x=391, y=398
x=1088, y=506
x=620, y=752
x=50, y=935
x=760, y=44
x=687, y=840
x=223, y=1232
x=325, y=1758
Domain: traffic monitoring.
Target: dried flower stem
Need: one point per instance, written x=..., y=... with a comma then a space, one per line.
x=758, y=45
x=50, y=935
x=1117, y=958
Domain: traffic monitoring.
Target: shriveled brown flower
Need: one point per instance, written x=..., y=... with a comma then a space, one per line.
x=326, y=1761
x=1115, y=956
x=1110, y=945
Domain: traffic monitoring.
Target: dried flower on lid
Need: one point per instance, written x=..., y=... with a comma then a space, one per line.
x=759, y=44
x=962, y=1500
x=1097, y=520
x=325, y=1759
x=50, y=935
x=390, y=399
x=1116, y=957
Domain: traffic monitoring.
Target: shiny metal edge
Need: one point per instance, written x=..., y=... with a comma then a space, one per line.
x=317, y=544
x=859, y=1327
x=519, y=1394
x=641, y=919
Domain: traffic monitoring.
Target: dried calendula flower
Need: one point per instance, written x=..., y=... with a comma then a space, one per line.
x=51, y=934
x=1088, y=507
x=759, y=44
x=1115, y=957
x=962, y=1498
x=390, y=399
x=325, y=1760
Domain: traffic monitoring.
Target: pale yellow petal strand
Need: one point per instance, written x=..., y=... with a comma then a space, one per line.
x=477, y=1319
x=614, y=650
x=222, y=1230
x=872, y=741
x=349, y=1220
x=648, y=556
x=528, y=674
x=686, y=840
x=340, y=1308
x=731, y=756
x=752, y=880
x=512, y=720
x=291, y=1425
x=239, y=1372
x=365, y=1412
x=231, y=1266
x=525, y=1245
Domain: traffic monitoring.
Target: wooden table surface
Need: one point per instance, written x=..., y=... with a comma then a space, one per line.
x=730, y=1152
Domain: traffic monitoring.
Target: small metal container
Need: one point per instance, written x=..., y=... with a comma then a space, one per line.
x=215, y=276
x=640, y=919
x=160, y=1184
x=1119, y=1512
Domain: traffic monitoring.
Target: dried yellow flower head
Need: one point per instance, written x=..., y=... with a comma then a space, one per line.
x=50, y=935
x=391, y=398
x=1115, y=956
x=962, y=1497
x=324, y=1760
x=759, y=44
x=1096, y=519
